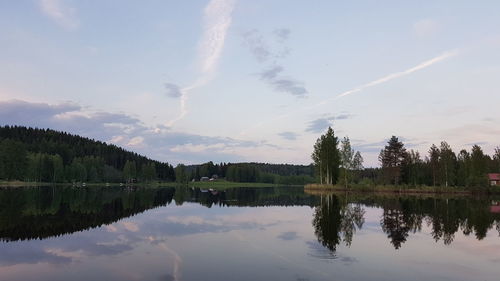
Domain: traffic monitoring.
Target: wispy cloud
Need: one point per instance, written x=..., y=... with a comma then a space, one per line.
x=288, y=135
x=263, y=52
x=321, y=124
x=216, y=22
x=173, y=90
x=396, y=75
x=255, y=42
x=59, y=12
x=283, y=83
x=261, y=49
x=282, y=34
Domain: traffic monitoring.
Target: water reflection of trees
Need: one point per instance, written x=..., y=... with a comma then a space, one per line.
x=37, y=213
x=335, y=222
x=338, y=217
x=247, y=197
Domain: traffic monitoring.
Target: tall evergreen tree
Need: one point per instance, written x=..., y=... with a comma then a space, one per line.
x=326, y=157
x=434, y=162
x=463, y=170
x=448, y=162
x=391, y=158
x=479, y=167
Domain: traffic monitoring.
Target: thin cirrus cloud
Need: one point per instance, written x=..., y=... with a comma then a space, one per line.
x=288, y=135
x=60, y=13
x=217, y=20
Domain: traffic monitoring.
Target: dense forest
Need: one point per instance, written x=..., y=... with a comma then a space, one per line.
x=44, y=155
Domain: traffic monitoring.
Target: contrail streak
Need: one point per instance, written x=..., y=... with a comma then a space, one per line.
x=387, y=78
x=217, y=20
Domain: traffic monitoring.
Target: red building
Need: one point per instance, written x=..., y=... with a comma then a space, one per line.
x=494, y=179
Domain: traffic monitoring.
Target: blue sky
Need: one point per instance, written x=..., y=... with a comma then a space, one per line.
x=234, y=80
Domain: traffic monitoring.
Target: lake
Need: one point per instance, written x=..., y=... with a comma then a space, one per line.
x=111, y=233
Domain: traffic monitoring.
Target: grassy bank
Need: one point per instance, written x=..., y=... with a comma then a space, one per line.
x=21, y=184
x=403, y=189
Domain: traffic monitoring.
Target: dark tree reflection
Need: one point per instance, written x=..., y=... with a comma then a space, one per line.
x=335, y=221
x=338, y=217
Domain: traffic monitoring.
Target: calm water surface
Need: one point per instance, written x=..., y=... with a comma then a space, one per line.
x=244, y=234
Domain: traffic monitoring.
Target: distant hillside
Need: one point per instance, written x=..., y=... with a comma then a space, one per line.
x=45, y=155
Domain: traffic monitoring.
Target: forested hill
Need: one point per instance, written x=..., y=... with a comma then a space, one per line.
x=46, y=155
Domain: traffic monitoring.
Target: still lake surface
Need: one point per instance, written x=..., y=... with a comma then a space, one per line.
x=107, y=233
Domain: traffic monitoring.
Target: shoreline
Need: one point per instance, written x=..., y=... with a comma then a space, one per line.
x=220, y=185
x=403, y=190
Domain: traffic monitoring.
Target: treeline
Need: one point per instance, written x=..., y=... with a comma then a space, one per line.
x=249, y=172
x=44, y=155
x=441, y=166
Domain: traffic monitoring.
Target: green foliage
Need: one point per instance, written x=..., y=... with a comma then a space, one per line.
x=242, y=173
x=49, y=156
x=351, y=161
x=326, y=157
x=39, y=155
x=392, y=158
x=130, y=171
x=13, y=159
x=181, y=174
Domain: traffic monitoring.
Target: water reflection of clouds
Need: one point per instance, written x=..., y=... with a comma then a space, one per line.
x=153, y=228
x=318, y=251
x=287, y=236
x=29, y=253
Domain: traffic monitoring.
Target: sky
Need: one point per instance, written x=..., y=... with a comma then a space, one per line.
x=240, y=80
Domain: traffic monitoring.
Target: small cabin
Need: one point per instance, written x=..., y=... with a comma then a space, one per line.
x=494, y=179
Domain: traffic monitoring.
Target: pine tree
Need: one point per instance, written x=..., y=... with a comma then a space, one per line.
x=391, y=158
x=434, y=162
